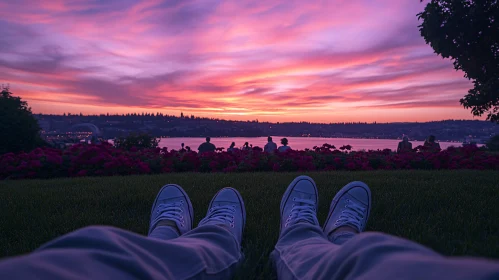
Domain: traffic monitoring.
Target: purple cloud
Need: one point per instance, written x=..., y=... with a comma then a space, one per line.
x=230, y=59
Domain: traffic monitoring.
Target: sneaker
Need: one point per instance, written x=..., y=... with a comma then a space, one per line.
x=350, y=207
x=227, y=209
x=299, y=203
x=172, y=207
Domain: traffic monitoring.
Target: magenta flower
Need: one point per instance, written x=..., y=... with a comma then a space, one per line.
x=82, y=173
x=104, y=159
x=276, y=167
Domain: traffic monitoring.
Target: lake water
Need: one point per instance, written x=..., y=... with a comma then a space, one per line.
x=297, y=143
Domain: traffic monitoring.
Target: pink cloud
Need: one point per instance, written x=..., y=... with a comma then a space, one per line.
x=273, y=60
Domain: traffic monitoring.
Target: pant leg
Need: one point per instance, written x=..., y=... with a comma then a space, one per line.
x=296, y=254
x=207, y=252
x=341, y=237
x=164, y=233
x=304, y=253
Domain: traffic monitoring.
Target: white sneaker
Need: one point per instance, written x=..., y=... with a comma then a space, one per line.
x=299, y=203
x=227, y=208
x=172, y=204
x=350, y=207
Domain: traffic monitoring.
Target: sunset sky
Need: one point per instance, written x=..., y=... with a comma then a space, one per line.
x=324, y=61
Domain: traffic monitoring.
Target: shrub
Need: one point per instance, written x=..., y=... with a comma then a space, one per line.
x=19, y=130
x=105, y=160
x=493, y=143
x=138, y=141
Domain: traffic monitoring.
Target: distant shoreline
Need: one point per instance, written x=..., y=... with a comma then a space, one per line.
x=325, y=137
x=162, y=126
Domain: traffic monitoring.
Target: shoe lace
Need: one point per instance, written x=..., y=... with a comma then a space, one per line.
x=171, y=211
x=220, y=214
x=302, y=210
x=352, y=215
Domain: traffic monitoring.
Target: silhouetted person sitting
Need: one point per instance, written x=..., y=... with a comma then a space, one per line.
x=182, y=150
x=232, y=147
x=246, y=147
x=431, y=146
x=270, y=147
x=206, y=146
x=404, y=146
x=284, y=147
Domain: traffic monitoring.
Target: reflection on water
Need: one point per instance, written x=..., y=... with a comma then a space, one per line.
x=297, y=143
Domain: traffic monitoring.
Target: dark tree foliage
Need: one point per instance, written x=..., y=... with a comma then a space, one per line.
x=493, y=143
x=139, y=141
x=467, y=31
x=19, y=130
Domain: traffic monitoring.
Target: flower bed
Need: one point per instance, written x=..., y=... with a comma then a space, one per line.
x=106, y=160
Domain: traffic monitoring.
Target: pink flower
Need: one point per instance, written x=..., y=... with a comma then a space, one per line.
x=275, y=167
x=54, y=159
x=144, y=168
x=82, y=173
x=350, y=166
x=213, y=165
x=35, y=164
x=84, y=160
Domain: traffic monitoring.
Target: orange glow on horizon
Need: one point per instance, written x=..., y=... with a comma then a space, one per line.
x=341, y=61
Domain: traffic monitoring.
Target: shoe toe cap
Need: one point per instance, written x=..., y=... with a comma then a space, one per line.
x=171, y=191
x=305, y=184
x=360, y=193
x=227, y=195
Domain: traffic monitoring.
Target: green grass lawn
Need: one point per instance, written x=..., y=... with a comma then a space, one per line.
x=453, y=212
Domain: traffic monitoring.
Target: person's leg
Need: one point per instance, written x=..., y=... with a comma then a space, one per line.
x=299, y=231
x=303, y=252
x=348, y=212
x=381, y=256
x=211, y=251
x=171, y=213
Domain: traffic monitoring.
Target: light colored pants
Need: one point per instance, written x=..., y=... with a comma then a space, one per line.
x=211, y=252
x=304, y=252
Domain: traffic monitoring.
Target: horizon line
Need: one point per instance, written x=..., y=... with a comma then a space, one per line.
x=255, y=120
